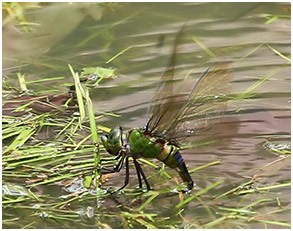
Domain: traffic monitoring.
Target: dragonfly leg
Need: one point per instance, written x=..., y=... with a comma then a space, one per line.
x=138, y=173
x=116, y=169
x=137, y=166
x=112, y=159
x=126, y=173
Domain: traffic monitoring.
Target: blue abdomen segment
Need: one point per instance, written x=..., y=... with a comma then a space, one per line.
x=178, y=157
x=175, y=160
x=182, y=169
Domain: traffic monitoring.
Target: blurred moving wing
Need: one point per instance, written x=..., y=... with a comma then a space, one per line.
x=164, y=106
x=207, y=101
x=179, y=117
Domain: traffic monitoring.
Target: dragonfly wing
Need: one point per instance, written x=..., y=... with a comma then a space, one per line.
x=206, y=102
x=164, y=106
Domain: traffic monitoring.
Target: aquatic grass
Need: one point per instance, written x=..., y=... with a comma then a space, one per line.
x=11, y=131
x=150, y=163
x=23, y=107
x=46, y=91
x=83, y=93
x=205, y=165
x=107, y=114
x=248, y=93
x=273, y=136
x=105, y=29
x=247, y=55
x=10, y=189
x=163, y=172
x=250, y=186
x=246, y=191
x=149, y=200
x=279, y=53
x=234, y=190
x=271, y=18
x=118, y=54
x=16, y=175
x=139, y=218
x=43, y=154
x=209, y=209
x=83, y=141
x=65, y=128
x=23, y=136
x=283, y=152
x=11, y=201
x=196, y=145
x=234, y=214
x=55, y=179
x=62, y=204
x=22, y=82
x=37, y=168
x=140, y=209
x=263, y=189
x=28, y=152
x=204, y=47
x=272, y=168
x=45, y=80
x=284, y=149
x=92, y=119
x=15, y=12
x=78, y=92
x=199, y=193
x=278, y=223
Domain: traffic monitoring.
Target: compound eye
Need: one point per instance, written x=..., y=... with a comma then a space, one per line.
x=104, y=139
x=115, y=134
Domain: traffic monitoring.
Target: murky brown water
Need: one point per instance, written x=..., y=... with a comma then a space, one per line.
x=91, y=36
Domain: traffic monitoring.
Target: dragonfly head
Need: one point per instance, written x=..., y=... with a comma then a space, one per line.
x=113, y=141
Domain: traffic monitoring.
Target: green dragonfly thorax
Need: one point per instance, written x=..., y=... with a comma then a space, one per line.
x=113, y=141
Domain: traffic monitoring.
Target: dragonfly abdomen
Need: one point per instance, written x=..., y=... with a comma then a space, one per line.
x=143, y=144
x=171, y=156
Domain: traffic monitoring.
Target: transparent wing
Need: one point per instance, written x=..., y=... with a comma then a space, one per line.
x=164, y=107
x=177, y=117
x=205, y=104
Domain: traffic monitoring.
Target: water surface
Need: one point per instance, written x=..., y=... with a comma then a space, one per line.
x=235, y=32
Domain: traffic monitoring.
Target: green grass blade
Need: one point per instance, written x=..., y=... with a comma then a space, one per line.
x=78, y=91
x=204, y=47
x=120, y=53
x=20, y=139
x=279, y=53
x=248, y=92
x=22, y=82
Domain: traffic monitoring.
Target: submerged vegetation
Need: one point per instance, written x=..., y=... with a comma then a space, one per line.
x=52, y=149
x=51, y=162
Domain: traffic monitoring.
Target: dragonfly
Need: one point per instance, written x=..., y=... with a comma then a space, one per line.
x=174, y=119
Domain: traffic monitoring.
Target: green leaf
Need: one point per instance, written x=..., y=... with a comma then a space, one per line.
x=87, y=181
x=20, y=139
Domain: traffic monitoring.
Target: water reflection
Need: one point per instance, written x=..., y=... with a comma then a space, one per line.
x=50, y=25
